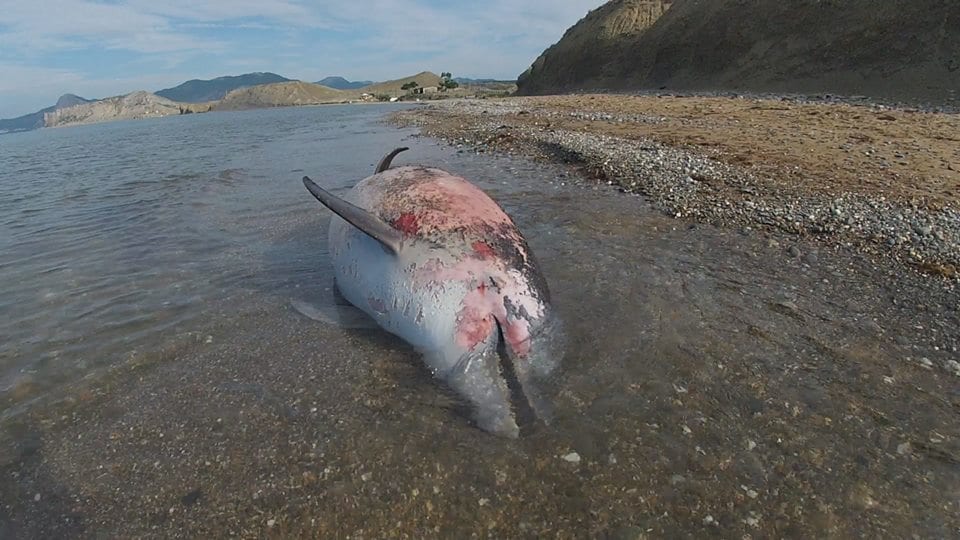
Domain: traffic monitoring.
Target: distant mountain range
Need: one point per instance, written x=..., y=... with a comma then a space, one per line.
x=35, y=120
x=339, y=83
x=251, y=90
x=198, y=91
x=295, y=93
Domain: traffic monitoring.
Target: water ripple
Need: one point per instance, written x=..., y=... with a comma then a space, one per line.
x=117, y=236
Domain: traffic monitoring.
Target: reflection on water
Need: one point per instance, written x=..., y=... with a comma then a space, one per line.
x=117, y=235
x=714, y=385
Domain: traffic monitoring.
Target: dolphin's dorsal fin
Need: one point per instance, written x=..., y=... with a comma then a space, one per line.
x=385, y=162
x=358, y=217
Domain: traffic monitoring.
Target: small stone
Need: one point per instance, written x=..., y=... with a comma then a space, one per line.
x=271, y=523
x=572, y=457
x=903, y=448
x=687, y=430
x=677, y=479
x=36, y=498
x=612, y=459
x=752, y=494
x=751, y=445
x=191, y=498
x=789, y=305
x=953, y=367
x=794, y=251
x=483, y=502
x=366, y=477
x=926, y=363
x=708, y=520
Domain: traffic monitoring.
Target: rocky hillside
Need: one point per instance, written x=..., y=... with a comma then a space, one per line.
x=587, y=48
x=71, y=110
x=881, y=48
x=197, y=90
x=394, y=87
x=281, y=95
x=35, y=120
x=132, y=106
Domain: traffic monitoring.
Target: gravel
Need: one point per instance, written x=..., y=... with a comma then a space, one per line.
x=689, y=185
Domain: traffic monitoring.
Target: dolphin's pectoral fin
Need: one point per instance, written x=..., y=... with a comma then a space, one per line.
x=370, y=224
x=476, y=378
x=385, y=162
x=344, y=316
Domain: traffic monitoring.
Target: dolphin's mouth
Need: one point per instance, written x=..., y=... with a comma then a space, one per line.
x=523, y=410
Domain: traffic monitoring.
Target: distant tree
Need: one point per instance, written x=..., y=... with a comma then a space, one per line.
x=447, y=82
x=410, y=85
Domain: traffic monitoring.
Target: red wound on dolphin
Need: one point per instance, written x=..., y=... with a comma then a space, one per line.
x=406, y=223
x=473, y=328
x=483, y=250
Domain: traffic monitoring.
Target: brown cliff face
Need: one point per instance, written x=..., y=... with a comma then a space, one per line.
x=895, y=49
x=586, y=48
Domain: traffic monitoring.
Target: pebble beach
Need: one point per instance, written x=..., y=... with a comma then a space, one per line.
x=871, y=177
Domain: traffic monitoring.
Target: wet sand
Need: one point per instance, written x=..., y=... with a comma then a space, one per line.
x=721, y=382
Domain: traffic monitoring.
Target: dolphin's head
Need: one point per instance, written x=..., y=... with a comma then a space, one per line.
x=507, y=331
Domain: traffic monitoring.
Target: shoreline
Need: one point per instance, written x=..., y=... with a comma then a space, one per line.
x=832, y=171
x=712, y=384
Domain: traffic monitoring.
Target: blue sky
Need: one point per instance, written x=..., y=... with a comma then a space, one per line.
x=110, y=47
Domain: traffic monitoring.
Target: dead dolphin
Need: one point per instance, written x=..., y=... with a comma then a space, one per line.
x=434, y=260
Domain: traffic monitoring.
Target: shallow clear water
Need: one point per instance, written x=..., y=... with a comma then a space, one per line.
x=115, y=235
x=156, y=381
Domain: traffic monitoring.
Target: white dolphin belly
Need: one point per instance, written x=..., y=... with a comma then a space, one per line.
x=384, y=287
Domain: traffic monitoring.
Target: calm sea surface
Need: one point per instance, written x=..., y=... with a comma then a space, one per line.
x=155, y=381
x=113, y=236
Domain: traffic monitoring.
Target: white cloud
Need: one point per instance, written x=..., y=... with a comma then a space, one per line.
x=289, y=13
x=359, y=39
